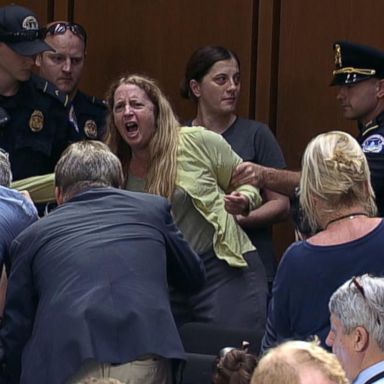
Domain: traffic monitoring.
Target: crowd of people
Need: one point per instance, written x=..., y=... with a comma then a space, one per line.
x=157, y=223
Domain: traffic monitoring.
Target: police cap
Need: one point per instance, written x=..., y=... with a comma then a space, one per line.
x=19, y=29
x=354, y=63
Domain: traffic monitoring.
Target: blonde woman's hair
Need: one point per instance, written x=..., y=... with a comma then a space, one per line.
x=161, y=174
x=283, y=364
x=335, y=172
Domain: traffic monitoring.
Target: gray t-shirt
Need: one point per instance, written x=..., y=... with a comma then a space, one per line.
x=253, y=141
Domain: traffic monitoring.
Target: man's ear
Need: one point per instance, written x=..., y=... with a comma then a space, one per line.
x=38, y=60
x=59, y=195
x=195, y=88
x=360, y=339
x=380, y=88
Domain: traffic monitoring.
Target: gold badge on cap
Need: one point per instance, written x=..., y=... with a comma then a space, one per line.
x=36, y=121
x=338, y=62
x=90, y=129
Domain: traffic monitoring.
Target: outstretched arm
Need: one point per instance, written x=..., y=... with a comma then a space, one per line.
x=274, y=209
x=279, y=180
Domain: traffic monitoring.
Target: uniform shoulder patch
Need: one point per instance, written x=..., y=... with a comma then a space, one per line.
x=373, y=144
x=50, y=89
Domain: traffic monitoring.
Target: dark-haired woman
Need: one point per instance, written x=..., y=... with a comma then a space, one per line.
x=212, y=81
x=235, y=367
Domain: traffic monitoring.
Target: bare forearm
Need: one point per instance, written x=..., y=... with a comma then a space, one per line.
x=280, y=180
x=275, y=209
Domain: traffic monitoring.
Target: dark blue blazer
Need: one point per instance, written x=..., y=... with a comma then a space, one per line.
x=90, y=281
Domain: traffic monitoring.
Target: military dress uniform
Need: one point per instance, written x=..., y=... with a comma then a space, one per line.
x=355, y=63
x=87, y=115
x=35, y=127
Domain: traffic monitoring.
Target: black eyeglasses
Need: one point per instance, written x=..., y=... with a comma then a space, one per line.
x=62, y=27
x=358, y=286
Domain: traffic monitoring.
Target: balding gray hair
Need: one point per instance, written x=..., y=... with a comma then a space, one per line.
x=360, y=302
x=87, y=164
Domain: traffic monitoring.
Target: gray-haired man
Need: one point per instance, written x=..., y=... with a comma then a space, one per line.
x=88, y=293
x=357, y=328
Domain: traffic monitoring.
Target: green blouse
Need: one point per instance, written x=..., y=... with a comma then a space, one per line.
x=205, y=162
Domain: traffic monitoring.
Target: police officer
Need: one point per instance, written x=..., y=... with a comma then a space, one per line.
x=63, y=68
x=359, y=74
x=34, y=125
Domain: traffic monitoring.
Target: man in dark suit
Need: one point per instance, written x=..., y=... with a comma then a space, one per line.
x=88, y=292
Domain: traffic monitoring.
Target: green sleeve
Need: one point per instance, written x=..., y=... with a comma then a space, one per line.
x=41, y=188
x=224, y=161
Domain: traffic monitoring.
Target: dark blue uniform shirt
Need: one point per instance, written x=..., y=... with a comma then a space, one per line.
x=371, y=140
x=38, y=127
x=87, y=114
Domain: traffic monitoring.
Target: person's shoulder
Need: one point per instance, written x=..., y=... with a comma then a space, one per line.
x=147, y=199
x=294, y=263
x=253, y=126
x=14, y=199
x=200, y=133
x=90, y=114
x=294, y=253
x=6, y=192
x=192, y=130
x=248, y=123
x=44, y=87
x=151, y=207
x=202, y=141
x=34, y=225
x=89, y=101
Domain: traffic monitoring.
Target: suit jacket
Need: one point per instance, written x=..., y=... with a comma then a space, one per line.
x=16, y=214
x=90, y=281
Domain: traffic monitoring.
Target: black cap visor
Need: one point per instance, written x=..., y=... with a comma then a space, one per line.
x=349, y=78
